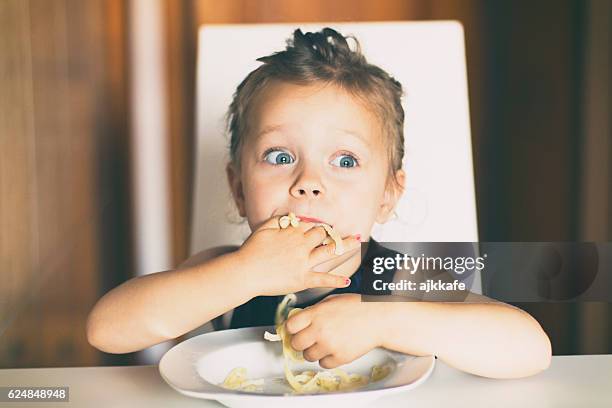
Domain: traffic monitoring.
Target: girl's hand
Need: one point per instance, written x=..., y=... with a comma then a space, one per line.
x=280, y=261
x=337, y=330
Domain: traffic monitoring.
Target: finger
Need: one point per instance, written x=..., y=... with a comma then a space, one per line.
x=315, y=235
x=304, y=339
x=330, y=361
x=305, y=226
x=270, y=223
x=327, y=252
x=326, y=280
x=315, y=352
x=302, y=226
x=298, y=321
x=327, y=298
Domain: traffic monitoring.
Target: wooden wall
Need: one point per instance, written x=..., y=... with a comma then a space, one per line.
x=530, y=185
x=63, y=174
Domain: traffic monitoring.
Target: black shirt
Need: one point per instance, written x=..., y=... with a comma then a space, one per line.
x=260, y=310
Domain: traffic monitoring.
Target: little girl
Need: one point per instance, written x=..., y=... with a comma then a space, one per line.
x=317, y=131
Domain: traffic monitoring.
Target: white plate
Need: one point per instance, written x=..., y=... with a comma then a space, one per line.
x=195, y=367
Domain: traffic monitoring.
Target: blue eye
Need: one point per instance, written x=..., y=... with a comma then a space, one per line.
x=345, y=160
x=278, y=157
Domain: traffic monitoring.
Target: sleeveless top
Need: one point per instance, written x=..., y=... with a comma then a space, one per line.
x=260, y=310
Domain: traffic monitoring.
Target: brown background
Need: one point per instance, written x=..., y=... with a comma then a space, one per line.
x=65, y=146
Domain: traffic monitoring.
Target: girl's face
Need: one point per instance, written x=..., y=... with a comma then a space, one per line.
x=317, y=152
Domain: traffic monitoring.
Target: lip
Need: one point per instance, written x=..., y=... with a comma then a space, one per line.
x=310, y=219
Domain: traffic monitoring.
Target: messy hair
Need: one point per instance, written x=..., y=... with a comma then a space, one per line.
x=324, y=57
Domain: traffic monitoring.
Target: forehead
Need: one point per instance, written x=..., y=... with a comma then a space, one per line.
x=287, y=106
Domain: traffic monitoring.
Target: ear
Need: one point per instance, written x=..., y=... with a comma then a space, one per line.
x=392, y=194
x=235, y=184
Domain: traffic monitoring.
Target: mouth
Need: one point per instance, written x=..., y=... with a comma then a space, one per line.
x=310, y=219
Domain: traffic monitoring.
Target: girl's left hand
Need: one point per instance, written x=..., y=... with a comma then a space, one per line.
x=337, y=330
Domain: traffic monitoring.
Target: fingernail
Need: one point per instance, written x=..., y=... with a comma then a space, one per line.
x=358, y=237
x=347, y=281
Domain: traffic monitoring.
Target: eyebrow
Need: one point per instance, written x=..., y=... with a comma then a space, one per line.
x=268, y=129
x=274, y=128
x=357, y=135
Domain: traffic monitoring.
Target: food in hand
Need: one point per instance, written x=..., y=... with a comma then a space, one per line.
x=291, y=219
x=308, y=381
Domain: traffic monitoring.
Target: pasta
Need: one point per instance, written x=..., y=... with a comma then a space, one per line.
x=237, y=380
x=291, y=219
x=307, y=381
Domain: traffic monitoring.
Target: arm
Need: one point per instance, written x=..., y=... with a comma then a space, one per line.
x=161, y=306
x=153, y=308
x=487, y=339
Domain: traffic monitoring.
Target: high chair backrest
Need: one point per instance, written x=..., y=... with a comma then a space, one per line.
x=427, y=58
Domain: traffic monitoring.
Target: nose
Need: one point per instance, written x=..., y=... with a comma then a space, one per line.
x=308, y=185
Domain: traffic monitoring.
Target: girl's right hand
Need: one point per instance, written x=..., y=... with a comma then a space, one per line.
x=280, y=261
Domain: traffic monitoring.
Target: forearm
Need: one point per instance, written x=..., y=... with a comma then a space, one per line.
x=487, y=339
x=161, y=306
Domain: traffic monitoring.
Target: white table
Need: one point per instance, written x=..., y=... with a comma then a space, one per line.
x=571, y=381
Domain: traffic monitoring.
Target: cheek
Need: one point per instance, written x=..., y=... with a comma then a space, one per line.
x=356, y=212
x=359, y=205
x=261, y=199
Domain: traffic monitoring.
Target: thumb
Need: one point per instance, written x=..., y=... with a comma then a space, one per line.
x=271, y=223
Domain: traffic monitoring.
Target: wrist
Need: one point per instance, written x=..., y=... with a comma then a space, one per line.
x=234, y=267
x=379, y=321
x=412, y=327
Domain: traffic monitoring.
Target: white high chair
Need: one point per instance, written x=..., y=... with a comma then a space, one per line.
x=428, y=58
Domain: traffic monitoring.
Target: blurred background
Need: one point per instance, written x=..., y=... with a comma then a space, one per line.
x=75, y=86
